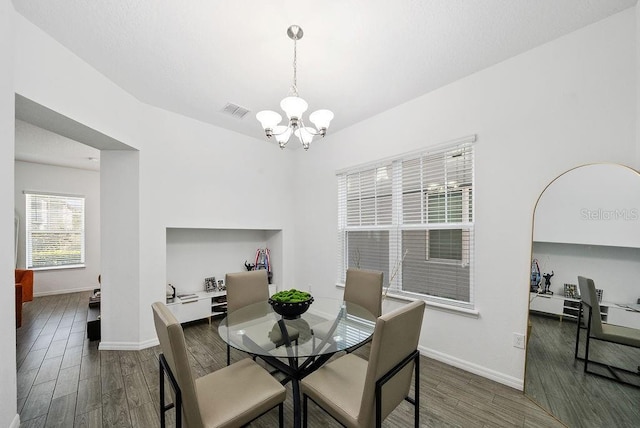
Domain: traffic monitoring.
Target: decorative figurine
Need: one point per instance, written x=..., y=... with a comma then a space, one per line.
x=249, y=266
x=547, y=283
x=535, y=276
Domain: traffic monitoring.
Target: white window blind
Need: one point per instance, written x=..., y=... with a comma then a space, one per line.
x=54, y=230
x=412, y=218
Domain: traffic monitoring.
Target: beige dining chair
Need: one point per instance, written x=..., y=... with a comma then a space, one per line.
x=360, y=393
x=245, y=288
x=597, y=330
x=364, y=288
x=230, y=397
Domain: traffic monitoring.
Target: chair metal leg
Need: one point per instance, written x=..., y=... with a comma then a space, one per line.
x=586, y=351
x=164, y=368
x=415, y=357
x=575, y=355
x=281, y=415
x=228, y=354
x=416, y=390
x=304, y=410
x=163, y=422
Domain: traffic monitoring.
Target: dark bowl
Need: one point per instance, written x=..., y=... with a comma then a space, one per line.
x=290, y=310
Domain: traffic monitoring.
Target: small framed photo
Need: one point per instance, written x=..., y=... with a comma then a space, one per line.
x=210, y=284
x=221, y=286
x=571, y=291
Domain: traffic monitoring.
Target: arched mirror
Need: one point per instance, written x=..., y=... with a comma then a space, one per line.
x=586, y=223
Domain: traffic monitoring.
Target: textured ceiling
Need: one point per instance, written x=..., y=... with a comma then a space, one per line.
x=357, y=58
x=35, y=144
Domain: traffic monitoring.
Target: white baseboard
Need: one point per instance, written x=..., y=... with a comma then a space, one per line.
x=474, y=368
x=149, y=343
x=127, y=346
x=65, y=291
x=15, y=423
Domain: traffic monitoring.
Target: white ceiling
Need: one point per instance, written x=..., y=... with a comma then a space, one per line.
x=35, y=144
x=357, y=58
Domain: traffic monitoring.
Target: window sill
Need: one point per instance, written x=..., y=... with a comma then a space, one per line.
x=472, y=313
x=79, y=266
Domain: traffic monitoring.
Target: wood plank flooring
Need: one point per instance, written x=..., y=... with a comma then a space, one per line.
x=64, y=381
x=558, y=383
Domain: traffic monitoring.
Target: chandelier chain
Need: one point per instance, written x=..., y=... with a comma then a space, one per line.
x=294, y=87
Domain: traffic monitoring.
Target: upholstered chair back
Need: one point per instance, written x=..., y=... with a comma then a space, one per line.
x=396, y=335
x=245, y=288
x=364, y=288
x=589, y=296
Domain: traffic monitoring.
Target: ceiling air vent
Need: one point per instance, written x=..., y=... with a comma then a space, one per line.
x=235, y=110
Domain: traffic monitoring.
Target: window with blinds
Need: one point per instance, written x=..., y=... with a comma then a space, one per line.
x=54, y=231
x=412, y=218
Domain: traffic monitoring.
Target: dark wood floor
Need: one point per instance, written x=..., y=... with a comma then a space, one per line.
x=64, y=381
x=559, y=384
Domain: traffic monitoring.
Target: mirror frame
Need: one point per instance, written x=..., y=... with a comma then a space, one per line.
x=533, y=222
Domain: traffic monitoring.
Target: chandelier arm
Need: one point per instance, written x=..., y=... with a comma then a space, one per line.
x=307, y=128
x=275, y=134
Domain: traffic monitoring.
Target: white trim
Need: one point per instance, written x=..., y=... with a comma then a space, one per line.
x=128, y=346
x=380, y=162
x=35, y=192
x=15, y=423
x=149, y=343
x=473, y=313
x=65, y=291
x=60, y=267
x=473, y=368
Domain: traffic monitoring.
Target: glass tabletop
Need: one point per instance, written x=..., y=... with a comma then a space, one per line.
x=328, y=326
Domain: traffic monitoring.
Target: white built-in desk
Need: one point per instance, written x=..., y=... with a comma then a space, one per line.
x=565, y=307
x=620, y=315
x=203, y=304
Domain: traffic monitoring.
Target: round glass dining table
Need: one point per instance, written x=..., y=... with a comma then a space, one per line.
x=297, y=346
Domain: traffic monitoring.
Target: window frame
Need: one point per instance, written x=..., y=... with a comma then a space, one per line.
x=464, y=221
x=76, y=226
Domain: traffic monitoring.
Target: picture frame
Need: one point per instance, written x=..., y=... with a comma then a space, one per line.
x=210, y=284
x=221, y=286
x=571, y=291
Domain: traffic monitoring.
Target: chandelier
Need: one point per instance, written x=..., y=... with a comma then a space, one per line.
x=294, y=107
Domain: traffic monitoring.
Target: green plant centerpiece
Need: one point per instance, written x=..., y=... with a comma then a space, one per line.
x=291, y=303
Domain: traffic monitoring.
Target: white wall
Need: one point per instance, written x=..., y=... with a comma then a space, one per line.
x=614, y=269
x=196, y=254
x=120, y=247
x=587, y=222
x=190, y=174
x=594, y=204
x=566, y=103
x=8, y=408
x=70, y=181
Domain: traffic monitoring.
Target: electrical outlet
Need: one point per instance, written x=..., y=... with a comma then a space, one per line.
x=518, y=340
